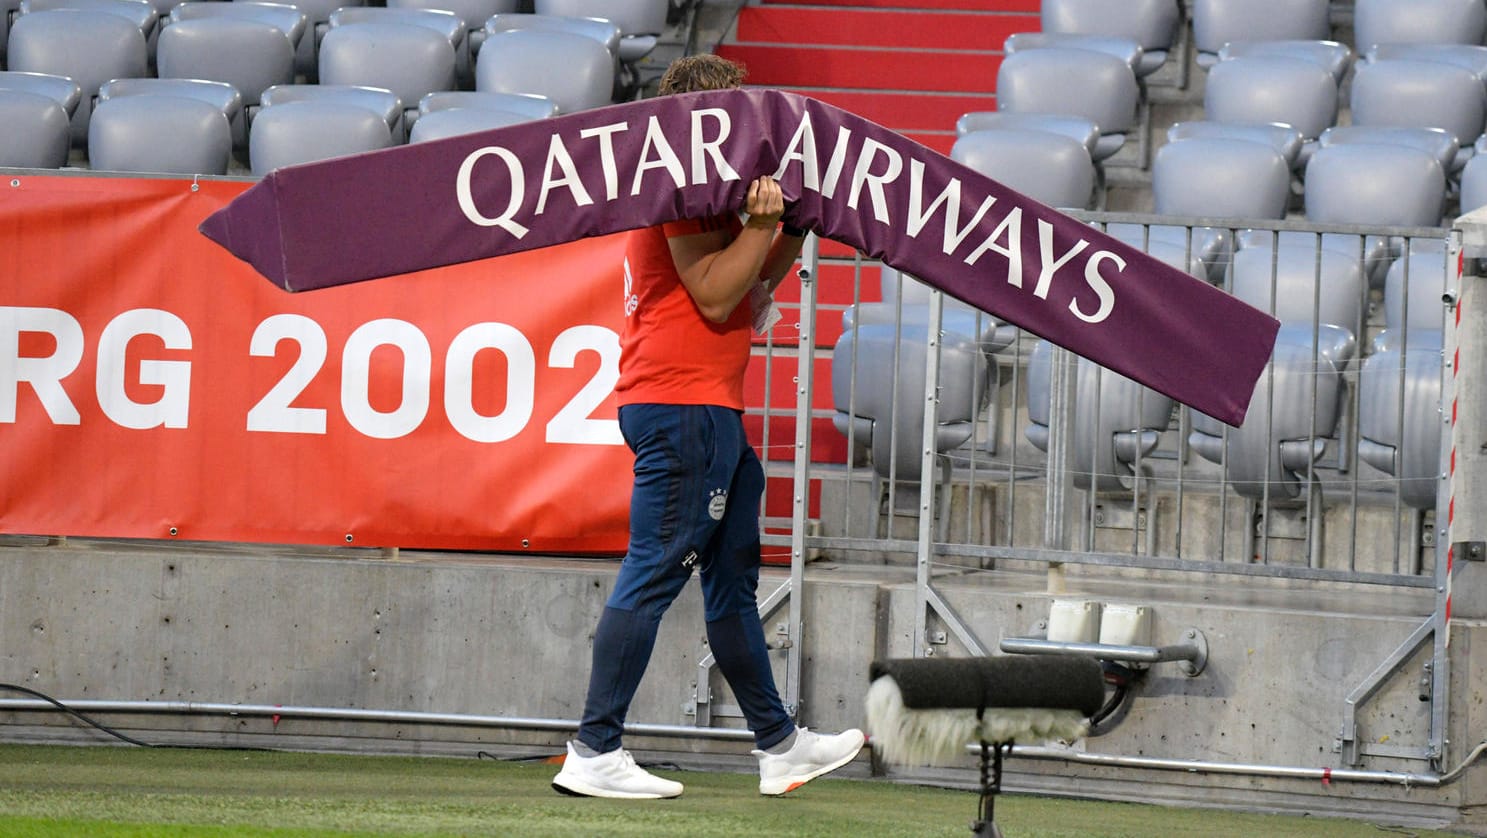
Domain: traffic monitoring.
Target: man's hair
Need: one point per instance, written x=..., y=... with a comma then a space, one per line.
x=705, y=71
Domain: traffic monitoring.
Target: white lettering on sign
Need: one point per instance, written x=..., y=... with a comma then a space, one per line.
x=110, y=382
x=573, y=423
x=44, y=374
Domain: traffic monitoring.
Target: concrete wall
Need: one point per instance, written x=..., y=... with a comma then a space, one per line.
x=490, y=636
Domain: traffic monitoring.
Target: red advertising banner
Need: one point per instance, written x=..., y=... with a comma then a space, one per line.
x=153, y=386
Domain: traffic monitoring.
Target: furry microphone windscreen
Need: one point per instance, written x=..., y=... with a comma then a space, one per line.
x=926, y=711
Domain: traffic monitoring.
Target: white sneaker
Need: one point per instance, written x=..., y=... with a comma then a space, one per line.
x=811, y=756
x=614, y=774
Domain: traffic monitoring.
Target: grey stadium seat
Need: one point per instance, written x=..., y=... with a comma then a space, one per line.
x=880, y=407
x=1077, y=127
x=88, y=47
x=1220, y=177
x=1074, y=82
x=1117, y=421
x=1427, y=94
x=576, y=72
x=64, y=90
x=159, y=134
x=1375, y=184
x=1053, y=169
x=1219, y=22
x=138, y=12
x=452, y=122
x=446, y=23
x=640, y=23
x=1474, y=184
x=408, y=60
x=1418, y=22
x=285, y=17
x=303, y=132
x=1436, y=142
x=247, y=54
x=1289, y=91
x=220, y=95
x=382, y=102
x=1413, y=290
x=1283, y=138
x=603, y=31
x=1152, y=24
x=1336, y=58
x=474, y=13
x=1470, y=57
x=529, y=105
x=1295, y=409
x=1126, y=49
x=36, y=129
x=1399, y=417
x=905, y=298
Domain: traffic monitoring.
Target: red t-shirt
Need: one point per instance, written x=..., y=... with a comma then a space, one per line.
x=670, y=353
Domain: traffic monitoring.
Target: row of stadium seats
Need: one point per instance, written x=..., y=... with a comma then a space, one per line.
x=1270, y=146
x=408, y=53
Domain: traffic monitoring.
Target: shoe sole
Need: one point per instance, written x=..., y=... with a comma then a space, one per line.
x=578, y=789
x=794, y=784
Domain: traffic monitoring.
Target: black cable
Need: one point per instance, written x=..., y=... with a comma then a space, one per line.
x=75, y=714
x=116, y=734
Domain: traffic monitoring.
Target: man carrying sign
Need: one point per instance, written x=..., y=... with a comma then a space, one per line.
x=698, y=482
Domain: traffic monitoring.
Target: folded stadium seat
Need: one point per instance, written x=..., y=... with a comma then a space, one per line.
x=384, y=103
x=138, y=12
x=473, y=13
x=1288, y=91
x=448, y=24
x=603, y=31
x=574, y=71
x=1399, y=416
x=530, y=105
x=451, y=122
x=1436, y=142
x=89, y=47
x=1219, y=22
x=287, y=18
x=159, y=134
x=250, y=55
x=1126, y=49
x=899, y=290
x=877, y=389
x=1418, y=22
x=407, y=59
x=1413, y=290
x=1117, y=422
x=1153, y=24
x=1470, y=57
x=1335, y=57
x=1318, y=295
x=220, y=95
x=1214, y=177
x=1426, y=94
x=1053, y=169
x=36, y=129
x=1073, y=82
x=306, y=131
x=1077, y=127
x=640, y=22
x=61, y=88
x=1282, y=138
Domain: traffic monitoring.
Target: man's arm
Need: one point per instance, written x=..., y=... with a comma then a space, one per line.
x=719, y=273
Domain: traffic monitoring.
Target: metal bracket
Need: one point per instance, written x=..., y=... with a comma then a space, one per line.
x=1192, y=653
x=1469, y=551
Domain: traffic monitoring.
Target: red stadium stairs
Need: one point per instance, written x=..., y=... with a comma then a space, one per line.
x=910, y=65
